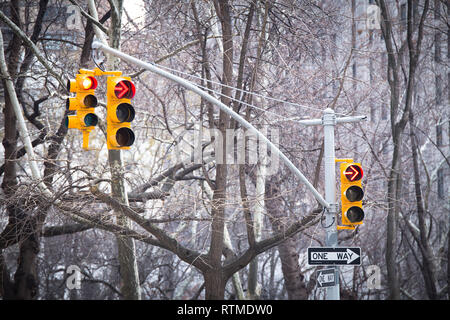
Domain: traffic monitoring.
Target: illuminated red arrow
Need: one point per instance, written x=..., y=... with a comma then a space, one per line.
x=354, y=173
x=124, y=89
x=121, y=89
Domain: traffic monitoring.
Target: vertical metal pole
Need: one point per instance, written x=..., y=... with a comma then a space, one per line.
x=328, y=122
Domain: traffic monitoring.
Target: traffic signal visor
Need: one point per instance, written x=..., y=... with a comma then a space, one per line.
x=82, y=82
x=351, y=193
x=83, y=103
x=120, y=112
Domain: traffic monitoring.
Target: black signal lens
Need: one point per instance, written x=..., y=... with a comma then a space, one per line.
x=125, y=137
x=355, y=214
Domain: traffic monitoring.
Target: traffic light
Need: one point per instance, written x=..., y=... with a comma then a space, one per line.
x=351, y=193
x=120, y=112
x=83, y=103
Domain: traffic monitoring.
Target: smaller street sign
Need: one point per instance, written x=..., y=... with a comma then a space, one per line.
x=334, y=256
x=326, y=278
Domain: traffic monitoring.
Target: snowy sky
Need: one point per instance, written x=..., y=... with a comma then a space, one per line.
x=135, y=10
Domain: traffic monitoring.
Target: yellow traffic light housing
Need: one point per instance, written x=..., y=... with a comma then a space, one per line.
x=351, y=194
x=120, y=112
x=83, y=104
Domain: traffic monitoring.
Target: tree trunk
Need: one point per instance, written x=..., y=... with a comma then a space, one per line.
x=428, y=270
x=25, y=285
x=394, y=178
x=129, y=277
x=214, y=279
x=239, y=291
x=293, y=279
x=398, y=126
x=254, y=289
x=25, y=278
x=214, y=284
x=443, y=99
x=391, y=228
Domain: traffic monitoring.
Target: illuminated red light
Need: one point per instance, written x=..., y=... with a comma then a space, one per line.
x=89, y=83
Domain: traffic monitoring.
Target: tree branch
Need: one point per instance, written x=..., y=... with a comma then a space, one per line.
x=241, y=261
x=165, y=241
x=33, y=48
x=54, y=231
x=90, y=18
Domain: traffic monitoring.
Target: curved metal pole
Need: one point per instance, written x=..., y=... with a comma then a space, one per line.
x=224, y=108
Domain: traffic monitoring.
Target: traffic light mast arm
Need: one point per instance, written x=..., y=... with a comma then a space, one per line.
x=99, y=72
x=350, y=119
x=315, y=122
x=348, y=160
x=190, y=86
x=328, y=122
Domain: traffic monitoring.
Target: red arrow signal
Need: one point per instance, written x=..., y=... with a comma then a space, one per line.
x=124, y=89
x=353, y=173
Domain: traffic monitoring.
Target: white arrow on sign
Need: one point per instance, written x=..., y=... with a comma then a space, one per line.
x=325, y=277
x=349, y=256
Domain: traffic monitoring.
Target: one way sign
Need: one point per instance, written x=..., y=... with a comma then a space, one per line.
x=335, y=256
x=326, y=278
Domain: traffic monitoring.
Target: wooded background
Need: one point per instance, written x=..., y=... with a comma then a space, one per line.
x=151, y=223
